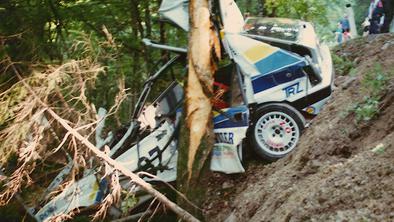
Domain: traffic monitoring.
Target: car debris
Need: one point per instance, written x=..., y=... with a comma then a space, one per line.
x=278, y=74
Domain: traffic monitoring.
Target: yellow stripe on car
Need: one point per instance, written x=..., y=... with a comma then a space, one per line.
x=259, y=52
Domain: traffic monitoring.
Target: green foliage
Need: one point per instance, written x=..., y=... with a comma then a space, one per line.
x=360, y=12
x=309, y=10
x=375, y=81
x=343, y=66
x=128, y=202
x=37, y=32
x=46, y=32
x=319, y=12
x=21, y=110
x=366, y=110
x=324, y=14
x=81, y=218
x=373, y=85
x=251, y=7
x=14, y=212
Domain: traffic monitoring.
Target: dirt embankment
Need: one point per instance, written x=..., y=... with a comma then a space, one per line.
x=343, y=168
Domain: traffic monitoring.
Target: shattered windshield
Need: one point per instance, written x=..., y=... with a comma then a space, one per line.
x=273, y=28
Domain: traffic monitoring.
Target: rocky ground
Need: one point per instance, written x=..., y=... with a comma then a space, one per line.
x=343, y=168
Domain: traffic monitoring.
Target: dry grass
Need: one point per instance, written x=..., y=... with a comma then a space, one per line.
x=48, y=111
x=30, y=134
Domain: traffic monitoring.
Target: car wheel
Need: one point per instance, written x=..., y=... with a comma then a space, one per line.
x=276, y=130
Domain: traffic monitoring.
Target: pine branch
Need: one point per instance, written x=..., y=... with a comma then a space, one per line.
x=184, y=215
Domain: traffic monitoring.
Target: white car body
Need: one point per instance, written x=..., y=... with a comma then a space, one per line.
x=289, y=67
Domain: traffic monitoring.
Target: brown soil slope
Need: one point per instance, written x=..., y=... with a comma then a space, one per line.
x=343, y=168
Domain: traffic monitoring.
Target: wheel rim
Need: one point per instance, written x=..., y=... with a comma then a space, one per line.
x=276, y=133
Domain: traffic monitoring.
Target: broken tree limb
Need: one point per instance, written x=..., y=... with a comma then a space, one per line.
x=137, y=180
x=183, y=214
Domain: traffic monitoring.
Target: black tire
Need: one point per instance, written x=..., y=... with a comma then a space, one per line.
x=276, y=129
x=241, y=152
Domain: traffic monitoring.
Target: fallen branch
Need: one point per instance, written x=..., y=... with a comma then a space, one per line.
x=136, y=179
x=184, y=215
x=19, y=199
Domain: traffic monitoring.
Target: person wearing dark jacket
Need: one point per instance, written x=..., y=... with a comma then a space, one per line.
x=388, y=10
x=376, y=16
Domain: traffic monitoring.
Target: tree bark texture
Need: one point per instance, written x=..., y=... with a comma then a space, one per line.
x=199, y=82
x=197, y=143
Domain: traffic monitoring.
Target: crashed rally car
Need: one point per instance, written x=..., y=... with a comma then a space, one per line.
x=279, y=69
x=277, y=76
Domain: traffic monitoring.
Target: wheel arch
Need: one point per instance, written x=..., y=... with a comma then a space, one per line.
x=257, y=112
x=255, y=107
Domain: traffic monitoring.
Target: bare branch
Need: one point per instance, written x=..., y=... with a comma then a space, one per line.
x=133, y=177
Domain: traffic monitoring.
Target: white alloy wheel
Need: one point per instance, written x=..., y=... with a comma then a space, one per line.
x=276, y=130
x=277, y=133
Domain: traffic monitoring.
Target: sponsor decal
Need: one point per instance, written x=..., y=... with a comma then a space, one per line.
x=224, y=151
x=225, y=137
x=293, y=90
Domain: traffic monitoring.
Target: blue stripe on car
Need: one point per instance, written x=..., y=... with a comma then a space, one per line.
x=264, y=82
x=222, y=121
x=276, y=61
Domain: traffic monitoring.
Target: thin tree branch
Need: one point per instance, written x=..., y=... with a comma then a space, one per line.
x=134, y=178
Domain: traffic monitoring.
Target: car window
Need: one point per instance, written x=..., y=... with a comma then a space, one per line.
x=272, y=29
x=175, y=72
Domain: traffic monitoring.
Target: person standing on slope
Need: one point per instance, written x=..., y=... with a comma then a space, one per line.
x=339, y=34
x=376, y=14
x=345, y=24
x=388, y=10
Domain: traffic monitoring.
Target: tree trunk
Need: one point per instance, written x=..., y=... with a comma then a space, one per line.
x=197, y=143
x=248, y=7
x=261, y=8
x=163, y=37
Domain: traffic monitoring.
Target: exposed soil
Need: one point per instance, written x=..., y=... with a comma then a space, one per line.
x=342, y=169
